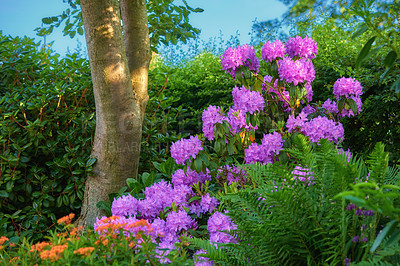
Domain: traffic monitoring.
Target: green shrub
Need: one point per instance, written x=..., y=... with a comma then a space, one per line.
x=46, y=130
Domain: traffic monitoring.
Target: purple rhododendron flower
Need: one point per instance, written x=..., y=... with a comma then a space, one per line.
x=246, y=100
x=272, y=51
x=321, y=127
x=211, y=116
x=347, y=87
x=176, y=221
x=308, y=109
x=296, y=123
x=127, y=205
x=237, y=120
x=208, y=203
x=309, y=92
x=184, y=149
x=297, y=46
x=271, y=144
x=243, y=55
x=330, y=106
x=189, y=178
x=299, y=71
x=218, y=222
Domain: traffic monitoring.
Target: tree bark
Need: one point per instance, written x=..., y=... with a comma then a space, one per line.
x=137, y=45
x=120, y=105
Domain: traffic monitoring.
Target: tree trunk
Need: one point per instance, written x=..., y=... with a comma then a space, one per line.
x=137, y=45
x=119, y=107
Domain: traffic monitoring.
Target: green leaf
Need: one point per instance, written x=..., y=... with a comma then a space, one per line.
x=364, y=51
x=341, y=104
x=353, y=105
x=90, y=162
x=106, y=206
x=396, y=86
x=393, y=239
x=147, y=179
x=198, y=164
x=72, y=34
x=355, y=200
x=80, y=31
x=383, y=234
x=363, y=28
x=134, y=185
x=47, y=20
x=3, y=194
x=390, y=58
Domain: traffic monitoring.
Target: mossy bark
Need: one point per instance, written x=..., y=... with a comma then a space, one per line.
x=120, y=96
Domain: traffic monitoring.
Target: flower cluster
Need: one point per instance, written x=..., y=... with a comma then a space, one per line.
x=188, y=178
x=220, y=222
x=237, y=120
x=157, y=197
x=246, y=100
x=184, y=149
x=296, y=71
x=271, y=144
x=211, y=116
x=317, y=128
x=297, y=46
x=321, y=127
x=272, y=51
x=207, y=204
x=243, y=55
x=330, y=106
x=347, y=87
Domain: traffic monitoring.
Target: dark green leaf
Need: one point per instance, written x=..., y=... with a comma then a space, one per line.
x=396, y=86
x=47, y=20
x=390, y=58
x=363, y=28
x=383, y=234
x=134, y=185
x=3, y=194
x=364, y=51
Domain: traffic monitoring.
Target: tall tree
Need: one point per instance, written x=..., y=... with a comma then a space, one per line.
x=119, y=48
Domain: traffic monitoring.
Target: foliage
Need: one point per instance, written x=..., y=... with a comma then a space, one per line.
x=282, y=220
x=47, y=126
x=168, y=22
x=379, y=121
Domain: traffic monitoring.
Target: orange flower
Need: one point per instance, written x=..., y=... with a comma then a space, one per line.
x=66, y=219
x=84, y=251
x=75, y=230
x=14, y=259
x=39, y=246
x=54, y=253
x=3, y=239
x=12, y=244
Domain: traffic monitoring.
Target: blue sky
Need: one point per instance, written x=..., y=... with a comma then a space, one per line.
x=229, y=17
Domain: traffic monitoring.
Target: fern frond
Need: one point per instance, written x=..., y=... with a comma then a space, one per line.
x=378, y=162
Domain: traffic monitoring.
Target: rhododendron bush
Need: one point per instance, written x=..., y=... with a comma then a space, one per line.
x=272, y=103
